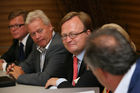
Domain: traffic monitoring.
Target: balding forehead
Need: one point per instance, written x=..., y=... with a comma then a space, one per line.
x=105, y=41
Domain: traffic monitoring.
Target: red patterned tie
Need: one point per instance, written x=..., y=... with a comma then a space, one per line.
x=75, y=69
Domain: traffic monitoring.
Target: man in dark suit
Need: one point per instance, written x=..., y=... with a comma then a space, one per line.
x=48, y=58
x=75, y=28
x=20, y=34
x=113, y=60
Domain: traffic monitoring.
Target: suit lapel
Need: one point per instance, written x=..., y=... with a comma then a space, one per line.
x=82, y=69
x=45, y=61
x=54, y=40
x=28, y=47
x=17, y=53
x=49, y=49
x=135, y=76
x=38, y=61
x=70, y=75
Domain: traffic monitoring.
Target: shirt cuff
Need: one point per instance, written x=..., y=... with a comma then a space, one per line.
x=53, y=87
x=60, y=80
x=4, y=65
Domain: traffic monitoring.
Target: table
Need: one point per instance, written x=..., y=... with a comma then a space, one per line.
x=19, y=88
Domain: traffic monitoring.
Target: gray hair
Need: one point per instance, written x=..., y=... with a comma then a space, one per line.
x=122, y=31
x=37, y=14
x=109, y=50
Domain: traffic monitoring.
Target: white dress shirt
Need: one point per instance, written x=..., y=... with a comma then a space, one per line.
x=43, y=53
x=80, y=59
x=24, y=40
x=125, y=82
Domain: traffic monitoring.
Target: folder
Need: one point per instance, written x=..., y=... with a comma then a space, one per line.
x=6, y=81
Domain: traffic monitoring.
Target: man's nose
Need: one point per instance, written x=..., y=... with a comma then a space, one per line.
x=13, y=29
x=37, y=35
x=68, y=39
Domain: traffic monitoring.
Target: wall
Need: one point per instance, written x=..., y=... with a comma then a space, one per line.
x=50, y=7
x=123, y=12
x=128, y=15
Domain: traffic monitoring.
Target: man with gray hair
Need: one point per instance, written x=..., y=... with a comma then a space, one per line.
x=48, y=57
x=113, y=60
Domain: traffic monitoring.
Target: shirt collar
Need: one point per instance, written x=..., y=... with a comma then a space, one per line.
x=80, y=56
x=40, y=49
x=125, y=82
x=24, y=40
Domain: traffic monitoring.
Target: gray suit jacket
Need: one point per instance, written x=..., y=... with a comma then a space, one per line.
x=55, y=64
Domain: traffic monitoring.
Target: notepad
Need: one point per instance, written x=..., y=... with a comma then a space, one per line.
x=6, y=81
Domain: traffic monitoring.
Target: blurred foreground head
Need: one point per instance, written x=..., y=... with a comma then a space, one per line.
x=110, y=55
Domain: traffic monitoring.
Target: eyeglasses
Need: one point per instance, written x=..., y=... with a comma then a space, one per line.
x=39, y=31
x=15, y=26
x=72, y=35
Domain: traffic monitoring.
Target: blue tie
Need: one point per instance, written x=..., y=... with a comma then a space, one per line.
x=21, y=52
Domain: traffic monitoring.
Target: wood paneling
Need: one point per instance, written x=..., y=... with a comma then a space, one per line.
x=123, y=12
x=50, y=7
x=128, y=13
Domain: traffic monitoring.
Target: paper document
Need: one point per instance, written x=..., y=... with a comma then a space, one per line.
x=91, y=91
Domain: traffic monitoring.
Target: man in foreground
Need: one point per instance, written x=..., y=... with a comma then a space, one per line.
x=113, y=60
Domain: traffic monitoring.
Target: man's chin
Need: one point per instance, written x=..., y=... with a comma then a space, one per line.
x=41, y=45
x=71, y=51
x=16, y=38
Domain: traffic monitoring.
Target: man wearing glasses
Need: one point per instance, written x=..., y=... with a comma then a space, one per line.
x=48, y=57
x=22, y=42
x=75, y=29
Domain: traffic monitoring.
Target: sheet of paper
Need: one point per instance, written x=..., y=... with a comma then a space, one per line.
x=91, y=91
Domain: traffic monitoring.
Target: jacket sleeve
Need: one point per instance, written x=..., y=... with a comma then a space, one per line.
x=10, y=55
x=55, y=66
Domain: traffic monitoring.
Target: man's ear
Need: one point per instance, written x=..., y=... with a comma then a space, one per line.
x=104, y=73
x=88, y=31
x=50, y=27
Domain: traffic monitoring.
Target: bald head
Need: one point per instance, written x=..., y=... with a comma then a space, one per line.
x=109, y=50
x=121, y=30
x=105, y=41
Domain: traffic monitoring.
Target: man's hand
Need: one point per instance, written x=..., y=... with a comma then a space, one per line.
x=10, y=68
x=14, y=71
x=1, y=62
x=51, y=81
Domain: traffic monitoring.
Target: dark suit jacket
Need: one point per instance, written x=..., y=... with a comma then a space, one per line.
x=55, y=64
x=134, y=86
x=12, y=55
x=87, y=79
